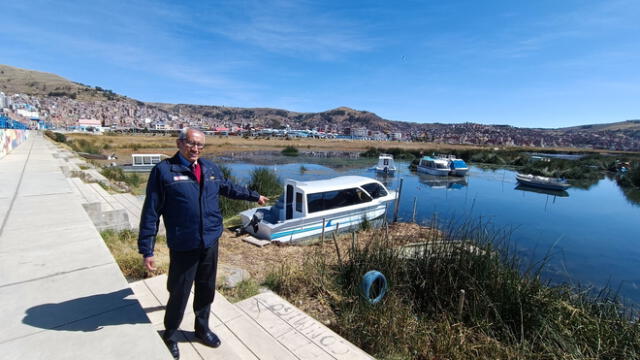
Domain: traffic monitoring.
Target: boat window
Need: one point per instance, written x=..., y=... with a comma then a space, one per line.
x=375, y=190
x=386, y=161
x=298, y=202
x=137, y=160
x=289, y=202
x=336, y=199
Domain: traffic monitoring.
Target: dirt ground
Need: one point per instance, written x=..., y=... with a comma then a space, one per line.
x=260, y=261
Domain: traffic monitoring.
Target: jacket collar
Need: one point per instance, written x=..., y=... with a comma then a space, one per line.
x=179, y=164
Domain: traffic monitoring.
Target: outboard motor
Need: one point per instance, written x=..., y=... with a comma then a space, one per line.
x=255, y=221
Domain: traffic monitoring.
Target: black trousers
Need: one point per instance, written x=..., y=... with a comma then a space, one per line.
x=185, y=268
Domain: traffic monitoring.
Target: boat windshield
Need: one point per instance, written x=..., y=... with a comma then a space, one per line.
x=375, y=190
x=336, y=199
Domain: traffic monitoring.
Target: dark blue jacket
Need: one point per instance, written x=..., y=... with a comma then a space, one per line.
x=191, y=212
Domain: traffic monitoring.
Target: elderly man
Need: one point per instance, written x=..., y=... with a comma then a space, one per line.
x=184, y=189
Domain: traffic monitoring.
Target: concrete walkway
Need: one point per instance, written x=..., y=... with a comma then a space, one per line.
x=62, y=295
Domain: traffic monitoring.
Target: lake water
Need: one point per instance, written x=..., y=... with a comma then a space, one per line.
x=592, y=235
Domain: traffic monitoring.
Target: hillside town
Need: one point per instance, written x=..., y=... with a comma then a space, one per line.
x=127, y=115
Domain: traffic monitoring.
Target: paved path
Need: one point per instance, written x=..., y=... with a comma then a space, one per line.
x=62, y=295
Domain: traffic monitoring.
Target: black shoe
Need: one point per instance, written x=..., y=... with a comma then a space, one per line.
x=208, y=338
x=173, y=348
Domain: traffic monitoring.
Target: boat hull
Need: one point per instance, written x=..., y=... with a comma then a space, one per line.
x=459, y=172
x=542, y=184
x=433, y=171
x=295, y=230
x=386, y=170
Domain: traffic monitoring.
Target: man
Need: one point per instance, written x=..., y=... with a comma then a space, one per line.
x=184, y=189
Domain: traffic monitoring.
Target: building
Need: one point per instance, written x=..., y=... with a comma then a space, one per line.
x=4, y=101
x=89, y=124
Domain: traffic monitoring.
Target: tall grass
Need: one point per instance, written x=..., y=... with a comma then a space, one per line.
x=86, y=146
x=231, y=207
x=265, y=182
x=508, y=312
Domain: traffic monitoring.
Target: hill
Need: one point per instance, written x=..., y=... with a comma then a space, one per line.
x=616, y=126
x=21, y=81
x=63, y=102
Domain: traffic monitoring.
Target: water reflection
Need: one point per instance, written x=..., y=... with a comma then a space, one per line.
x=559, y=193
x=443, y=182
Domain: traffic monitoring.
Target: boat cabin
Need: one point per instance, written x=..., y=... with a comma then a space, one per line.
x=310, y=198
x=429, y=162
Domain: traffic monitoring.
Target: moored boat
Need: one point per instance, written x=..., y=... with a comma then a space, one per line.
x=339, y=203
x=434, y=166
x=457, y=167
x=542, y=182
x=386, y=165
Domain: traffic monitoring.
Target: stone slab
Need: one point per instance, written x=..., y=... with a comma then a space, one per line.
x=33, y=184
x=256, y=242
x=43, y=261
x=48, y=303
x=45, y=211
x=275, y=315
x=122, y=333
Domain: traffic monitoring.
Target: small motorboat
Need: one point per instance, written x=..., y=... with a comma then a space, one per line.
x=386, y=165
x=434, y=166
x=308, y=209
x=457, y=167
x=542, y=182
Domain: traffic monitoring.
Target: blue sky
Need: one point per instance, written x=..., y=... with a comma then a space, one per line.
x=523, y=63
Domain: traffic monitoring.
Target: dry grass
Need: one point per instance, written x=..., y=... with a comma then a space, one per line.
x=125, y=145
x=124, y=248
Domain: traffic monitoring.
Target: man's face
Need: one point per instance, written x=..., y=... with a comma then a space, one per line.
x=192, y=146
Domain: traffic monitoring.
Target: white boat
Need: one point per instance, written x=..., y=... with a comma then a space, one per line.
x=143, y=162
x=457, y=167
x=386, y=165
x=542, y=182
x=434, y=166
x=341, y=203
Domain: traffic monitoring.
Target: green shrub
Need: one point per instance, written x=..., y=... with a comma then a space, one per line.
x=56, y=136
x=290, y=151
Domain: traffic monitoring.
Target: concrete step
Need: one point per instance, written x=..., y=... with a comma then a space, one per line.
x=105, y=212
x=242, y=338
x=301, y=334
x=132, y=205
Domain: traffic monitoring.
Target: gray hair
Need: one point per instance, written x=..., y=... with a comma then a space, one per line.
x=185, y=131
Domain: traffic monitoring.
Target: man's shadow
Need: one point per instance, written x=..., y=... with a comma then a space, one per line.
x=89, y=313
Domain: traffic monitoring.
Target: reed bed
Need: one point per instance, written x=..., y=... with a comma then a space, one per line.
x=507, y=310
